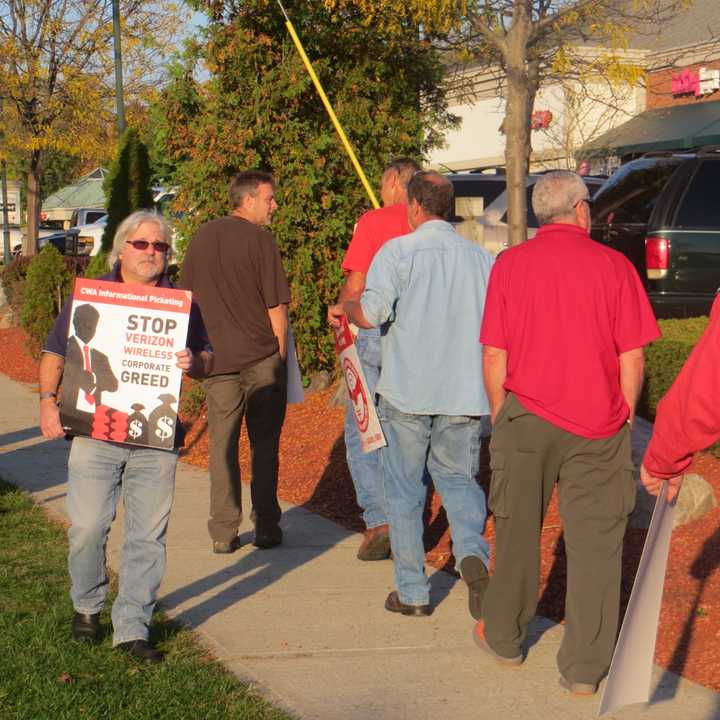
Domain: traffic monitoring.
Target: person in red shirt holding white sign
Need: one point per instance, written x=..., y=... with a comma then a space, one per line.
x=688, y=417
x=565, y=323
x=372, y=231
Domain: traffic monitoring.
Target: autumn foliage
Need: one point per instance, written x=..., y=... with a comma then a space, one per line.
x=259, y=109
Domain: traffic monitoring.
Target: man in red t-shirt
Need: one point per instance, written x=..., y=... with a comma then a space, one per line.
x=373, y=229
x=563, y=332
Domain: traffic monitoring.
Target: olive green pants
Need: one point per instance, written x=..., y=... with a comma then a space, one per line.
x=596, y=490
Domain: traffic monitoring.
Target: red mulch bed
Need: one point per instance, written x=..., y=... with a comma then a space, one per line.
x=15, y=360
x=313, y=473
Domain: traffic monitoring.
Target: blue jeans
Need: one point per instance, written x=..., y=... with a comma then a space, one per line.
x=365, y=467
x=98, y=472
x=451, y=446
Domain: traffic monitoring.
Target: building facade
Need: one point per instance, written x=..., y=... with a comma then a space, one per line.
x=573, y=121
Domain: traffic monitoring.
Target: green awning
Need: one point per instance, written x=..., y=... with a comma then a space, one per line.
x=674, y=128
x=86, y=192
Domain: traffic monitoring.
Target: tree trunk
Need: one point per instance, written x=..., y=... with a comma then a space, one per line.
x=521, y=88
x=517, y=140
x=34, y=176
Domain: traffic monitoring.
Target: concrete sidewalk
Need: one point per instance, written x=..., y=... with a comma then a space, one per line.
x=305, y=622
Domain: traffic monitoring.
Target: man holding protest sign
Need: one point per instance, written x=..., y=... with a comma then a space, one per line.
x=373, y=229
x=236, y=274
x=429, y=287
x=688, y=416
x=99, y=470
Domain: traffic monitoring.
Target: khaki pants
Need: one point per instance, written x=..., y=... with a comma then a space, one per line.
x=597, y=494
x=258, y=393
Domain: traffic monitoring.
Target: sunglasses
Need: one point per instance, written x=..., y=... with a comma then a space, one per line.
x=584, y=200
x=161, y=247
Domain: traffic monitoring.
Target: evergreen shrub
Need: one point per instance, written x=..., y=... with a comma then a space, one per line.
x=47, y=285
x=665, y=357
x=192, y=401
x=13, y=278
x=127, y=189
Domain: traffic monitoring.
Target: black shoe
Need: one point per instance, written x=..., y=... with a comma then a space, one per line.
x=266, y=538
x=224, y=548
x=142, y=650
x=394, y=604
x=85, y=627
x=475, y=574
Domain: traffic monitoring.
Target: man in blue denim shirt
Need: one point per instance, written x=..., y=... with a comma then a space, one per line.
x=372, y=231
x=428, y=289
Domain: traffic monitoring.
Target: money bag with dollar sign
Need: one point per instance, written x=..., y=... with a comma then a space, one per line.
x=137, y=430
x=162, y=422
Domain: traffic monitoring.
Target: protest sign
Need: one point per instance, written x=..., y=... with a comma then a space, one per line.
x=120, y=380
x=295, y=390
x=630, y=673
x=366, y=419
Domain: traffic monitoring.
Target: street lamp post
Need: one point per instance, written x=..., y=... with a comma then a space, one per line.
x=6, y=215
x=6, y=211
x=119, y=102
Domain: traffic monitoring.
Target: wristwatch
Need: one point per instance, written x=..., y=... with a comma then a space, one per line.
x=47, y=394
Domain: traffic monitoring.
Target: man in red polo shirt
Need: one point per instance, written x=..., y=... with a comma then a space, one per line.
x=372, y=231
x=563, y=332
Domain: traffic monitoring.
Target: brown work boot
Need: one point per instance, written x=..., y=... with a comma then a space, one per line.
x=375, y=544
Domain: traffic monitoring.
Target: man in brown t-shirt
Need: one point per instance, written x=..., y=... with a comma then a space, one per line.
x=234, y=270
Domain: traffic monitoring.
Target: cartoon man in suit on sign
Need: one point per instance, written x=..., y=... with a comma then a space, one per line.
x=87, y=374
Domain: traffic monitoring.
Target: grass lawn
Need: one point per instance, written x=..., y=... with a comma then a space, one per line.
x=45, y=675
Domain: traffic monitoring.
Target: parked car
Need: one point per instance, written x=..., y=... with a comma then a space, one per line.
x=662, y=212
x=90, y=236
x=486, y=223
x=17, y=234
x=85, y=216
x=64, y=241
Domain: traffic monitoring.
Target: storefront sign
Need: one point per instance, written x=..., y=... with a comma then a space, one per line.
x=704, y=82
x=541, y=119
x=13, y=206
x=709, y=81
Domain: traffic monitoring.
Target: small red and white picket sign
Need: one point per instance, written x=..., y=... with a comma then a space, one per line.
x=371, y=434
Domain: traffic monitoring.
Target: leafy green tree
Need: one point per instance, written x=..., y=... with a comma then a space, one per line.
x=127, y=188
x=257, y=108
x=47, y=284
x=59, y=169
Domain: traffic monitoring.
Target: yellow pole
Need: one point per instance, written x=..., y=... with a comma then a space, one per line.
x=331, y=112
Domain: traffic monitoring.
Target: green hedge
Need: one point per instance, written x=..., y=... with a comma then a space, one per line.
x=13, y=278
x=665, y=357
x=47, y=284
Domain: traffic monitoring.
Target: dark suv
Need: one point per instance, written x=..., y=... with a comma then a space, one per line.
x=663, y=212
